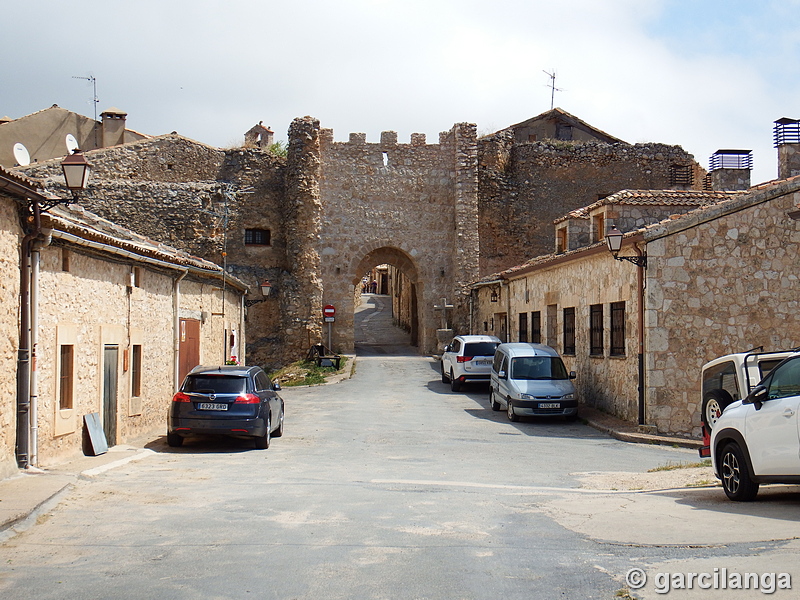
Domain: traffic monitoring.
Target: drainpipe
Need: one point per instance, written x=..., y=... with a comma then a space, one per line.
x=176, y=325
x=240, y=351
x=24, y=352
x=640, y=286
x=36, y=245
x=507, y=287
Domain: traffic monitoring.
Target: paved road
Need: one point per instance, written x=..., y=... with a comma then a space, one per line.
x=386, y=486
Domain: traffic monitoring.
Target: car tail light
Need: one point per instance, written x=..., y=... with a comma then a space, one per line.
x=181, y=397
x=464, y=358
x=247, y=399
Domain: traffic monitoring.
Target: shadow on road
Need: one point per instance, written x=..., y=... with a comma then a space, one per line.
x=199, y=444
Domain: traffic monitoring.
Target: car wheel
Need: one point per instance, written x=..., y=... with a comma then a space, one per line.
x=174, y=440
x=714, y=402
x=279, y=431
x=455, y=384
x=736, y=480
x=262, y=443
x=444, y=375
x=512, y=416
x=492, y=402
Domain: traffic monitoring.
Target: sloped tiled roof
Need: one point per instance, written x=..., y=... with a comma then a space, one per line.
x=654, y=198
x=572, y=119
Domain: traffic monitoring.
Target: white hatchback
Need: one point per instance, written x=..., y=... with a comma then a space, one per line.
x=468, y=358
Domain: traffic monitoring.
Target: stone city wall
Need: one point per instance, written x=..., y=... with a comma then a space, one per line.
x=525, y=187
x=716, y=286
x=411, y=205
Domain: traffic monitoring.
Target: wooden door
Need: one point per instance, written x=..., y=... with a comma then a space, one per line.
x=110, y=373
x=188, y=348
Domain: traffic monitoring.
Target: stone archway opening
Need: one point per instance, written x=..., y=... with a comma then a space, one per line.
x=385, y=300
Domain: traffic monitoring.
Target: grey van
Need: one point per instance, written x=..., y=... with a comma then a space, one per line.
x=531, y=380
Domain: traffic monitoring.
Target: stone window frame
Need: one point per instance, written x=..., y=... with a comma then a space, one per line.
x=136, y=370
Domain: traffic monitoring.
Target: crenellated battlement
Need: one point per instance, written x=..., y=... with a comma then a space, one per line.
x=387, y=139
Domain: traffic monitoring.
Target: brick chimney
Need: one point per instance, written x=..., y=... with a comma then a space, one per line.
x=787, y=141
x=729, y=170
x=113, y=127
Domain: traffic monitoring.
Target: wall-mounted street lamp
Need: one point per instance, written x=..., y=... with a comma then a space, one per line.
x=266, y=290
x=614, y=242
x=76, y=171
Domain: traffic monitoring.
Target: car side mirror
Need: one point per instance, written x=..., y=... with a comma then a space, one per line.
x=573, y=375
x=447, y=348
x=502, y=375
x=757, y=397
x=276, y=387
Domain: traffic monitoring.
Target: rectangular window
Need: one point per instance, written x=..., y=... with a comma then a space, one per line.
x=596, y=329
x=523, y=327
x=257, y=237
x=136, y=371
x=552, y=324
x=561, y=240
x=618, y=329
x=136, y=277
x=65, y=260
x=599, y=228
x=536, y=327
x=66, y=377
x=569, y=330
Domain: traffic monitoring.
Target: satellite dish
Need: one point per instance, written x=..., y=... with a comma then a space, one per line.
x=21, y=155
x=72, y=143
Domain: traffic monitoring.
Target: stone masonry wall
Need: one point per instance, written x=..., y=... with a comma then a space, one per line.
x=10, y=238
x=525, y=187
x=604, y=381
x=90, y=306
x=715, y=287
x=199, y=199
x=411, y=205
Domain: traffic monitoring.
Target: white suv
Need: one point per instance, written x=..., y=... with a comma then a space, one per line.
x=468, y=358
x=757, y=439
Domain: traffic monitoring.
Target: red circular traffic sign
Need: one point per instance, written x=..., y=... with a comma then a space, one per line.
x=329, y=310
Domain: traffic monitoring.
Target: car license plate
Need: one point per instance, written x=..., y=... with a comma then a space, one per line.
x=211, y=406
x=483, y=363
x=549, y=404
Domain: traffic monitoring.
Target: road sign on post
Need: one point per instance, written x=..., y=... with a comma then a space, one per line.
x=329, y=312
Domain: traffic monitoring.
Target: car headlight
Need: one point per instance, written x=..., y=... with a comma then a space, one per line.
x=568, y=397
x=526, y=397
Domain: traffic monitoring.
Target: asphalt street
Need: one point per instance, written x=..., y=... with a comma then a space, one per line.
x=386, y=486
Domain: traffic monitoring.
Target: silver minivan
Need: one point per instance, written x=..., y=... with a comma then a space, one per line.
x=531, y=380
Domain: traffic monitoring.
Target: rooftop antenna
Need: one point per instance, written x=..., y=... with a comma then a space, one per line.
x=553, y=88
x=95, y=101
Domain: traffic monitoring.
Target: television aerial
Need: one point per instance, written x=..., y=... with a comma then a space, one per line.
x=21, y=155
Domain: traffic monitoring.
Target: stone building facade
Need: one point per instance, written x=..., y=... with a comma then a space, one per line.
x=313, y=223
x=719, y=278
x=114, y=322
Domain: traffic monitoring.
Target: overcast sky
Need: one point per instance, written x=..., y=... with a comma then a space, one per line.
x=705, y=74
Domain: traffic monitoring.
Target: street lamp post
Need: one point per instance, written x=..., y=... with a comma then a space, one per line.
x=76, y=171
x=614, y=242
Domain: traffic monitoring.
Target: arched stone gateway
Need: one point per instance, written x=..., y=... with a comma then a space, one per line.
x=412, y=206
x=404, y=287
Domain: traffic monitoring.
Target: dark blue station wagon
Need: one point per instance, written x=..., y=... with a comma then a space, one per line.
x=226, y=400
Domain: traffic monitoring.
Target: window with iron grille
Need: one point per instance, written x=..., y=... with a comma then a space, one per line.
x=136, y=371
x=536, y=327
x=569, y=330
x=596, y=329
x=256, y=237
x=523, y=327
x=66, y=376
x=617, y=328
